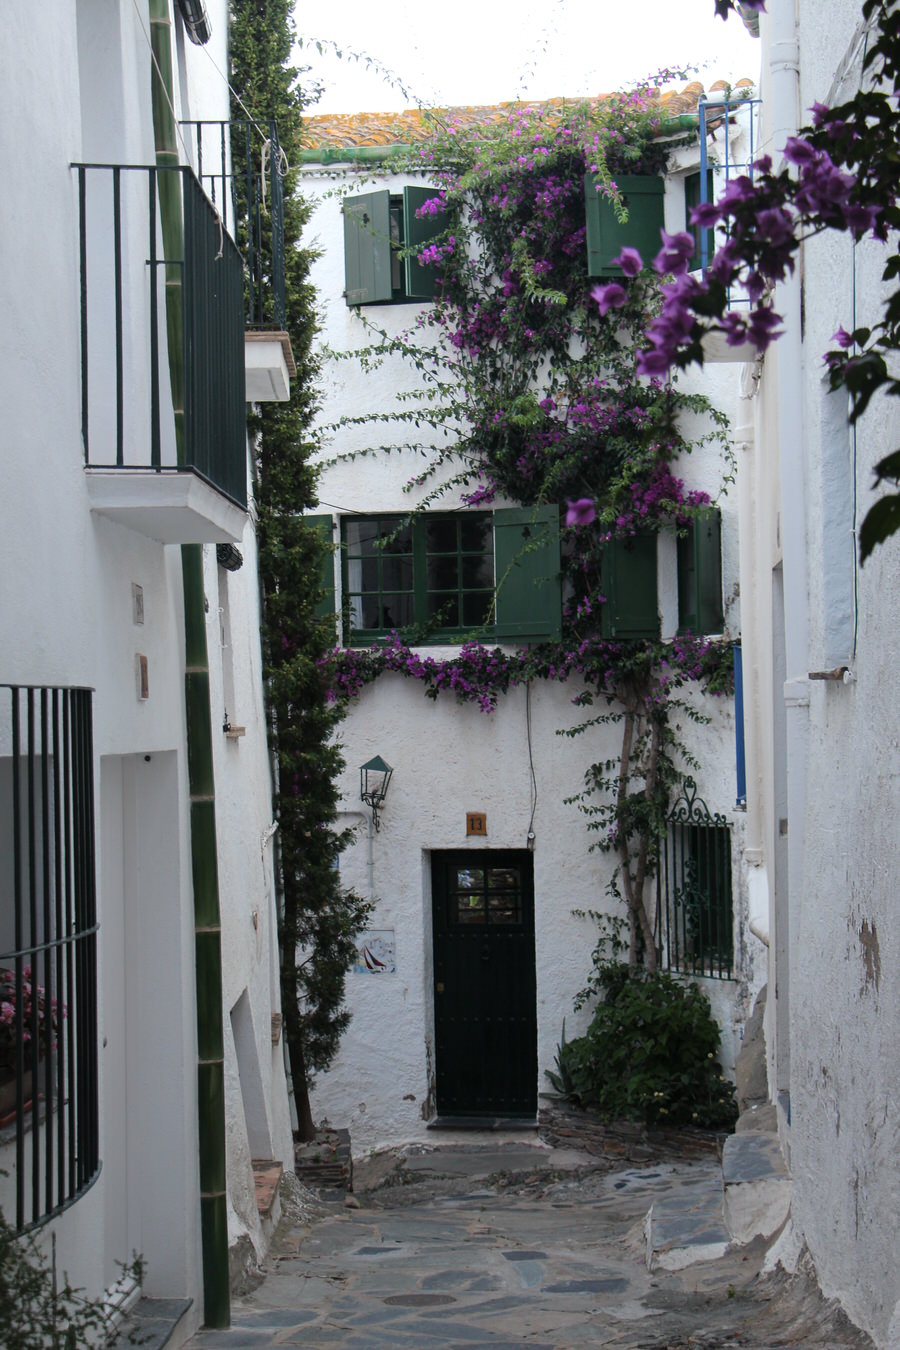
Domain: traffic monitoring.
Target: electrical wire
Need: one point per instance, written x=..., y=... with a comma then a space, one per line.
x=529, y=838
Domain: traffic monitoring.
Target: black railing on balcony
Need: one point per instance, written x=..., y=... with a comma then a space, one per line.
x=243, y=174
x=49, y=1128
x=130, y=337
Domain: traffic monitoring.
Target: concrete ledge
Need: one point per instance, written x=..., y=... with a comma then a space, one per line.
x=173, y=506
x=757, y=1186
x=269, y=367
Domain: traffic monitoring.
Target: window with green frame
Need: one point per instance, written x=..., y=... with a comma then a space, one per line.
x=377, y=227
x=452, y=573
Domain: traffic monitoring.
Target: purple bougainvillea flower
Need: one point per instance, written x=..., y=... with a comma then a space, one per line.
x=630, y=261
x=609, y=297
x=842, y=338
x=582, y=512
x=654, y=361
x=705, y=214
x=675, y=253
x=798, y=151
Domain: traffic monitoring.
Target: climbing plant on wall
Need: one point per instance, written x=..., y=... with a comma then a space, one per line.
x=530, y=392
x=319, y=920
x=839, y=173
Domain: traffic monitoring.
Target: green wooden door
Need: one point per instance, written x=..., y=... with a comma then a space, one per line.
x=484, y=983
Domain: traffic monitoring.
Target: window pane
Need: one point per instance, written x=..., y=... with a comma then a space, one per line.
x=371, y=612
x=470, y=879
x=469, y=909
x=442, y=574
x=503, y=879
x=440, y=535
x=360, y=535
x=366, y=577
x=476, y=608
x=504, y=908
x=397, y=611
x=478, y=572
x=475, y=533
x=397, y=574
x=395, y=539
x=444, y=608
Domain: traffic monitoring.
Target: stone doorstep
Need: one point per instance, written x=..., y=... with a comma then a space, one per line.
x=266, y=1176
x=152, y=1323
x=757, y=1185
x=688, y=1225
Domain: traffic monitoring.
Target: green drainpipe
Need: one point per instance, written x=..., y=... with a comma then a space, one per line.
x=204, y=852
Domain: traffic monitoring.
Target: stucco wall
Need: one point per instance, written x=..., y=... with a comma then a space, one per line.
x=450, y=759
x=67, y=618
x=839, y=1027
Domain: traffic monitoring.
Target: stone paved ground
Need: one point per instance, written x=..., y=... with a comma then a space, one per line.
x=486, y=1249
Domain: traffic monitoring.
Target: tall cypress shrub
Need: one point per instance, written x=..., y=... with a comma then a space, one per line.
x=319, y=920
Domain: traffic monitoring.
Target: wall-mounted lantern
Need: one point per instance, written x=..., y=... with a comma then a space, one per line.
x=374, y=779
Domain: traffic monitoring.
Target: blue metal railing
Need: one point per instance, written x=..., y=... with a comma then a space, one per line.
x=130, y=337
x=724, y=110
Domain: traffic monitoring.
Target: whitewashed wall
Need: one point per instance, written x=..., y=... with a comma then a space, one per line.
x=450, y=759
x=66, y=618
x=833, y=1031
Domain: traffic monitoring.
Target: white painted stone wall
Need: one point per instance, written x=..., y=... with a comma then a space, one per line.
x=450, y=759
x=833, y=1044
x=82, y=73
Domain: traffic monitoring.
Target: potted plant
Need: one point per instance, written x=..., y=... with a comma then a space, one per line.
x=49, y=1014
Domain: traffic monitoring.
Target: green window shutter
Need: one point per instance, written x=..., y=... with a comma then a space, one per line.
x=692, y=199
x=642, y=194
x=629, y=587
x=417, y=232
x=324, y=527
x=700, y=575
x=527, y=568
x=367, y=248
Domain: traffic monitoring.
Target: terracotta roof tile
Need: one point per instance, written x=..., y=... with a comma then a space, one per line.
x=341, y=130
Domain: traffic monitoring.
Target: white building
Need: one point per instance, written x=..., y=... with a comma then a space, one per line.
x=454, y=1026
x=125, y=1133
x=821, y=648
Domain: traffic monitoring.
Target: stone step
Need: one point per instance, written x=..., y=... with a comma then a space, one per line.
x=267, y=1173
x=687, y=1224
x=152, y=1324
x=757, y=1185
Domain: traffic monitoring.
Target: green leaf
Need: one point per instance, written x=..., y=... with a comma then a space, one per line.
x=882, y=521
x=889, y=468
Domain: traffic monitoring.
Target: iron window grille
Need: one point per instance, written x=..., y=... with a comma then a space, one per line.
x=49, y=1141
x=695, y=918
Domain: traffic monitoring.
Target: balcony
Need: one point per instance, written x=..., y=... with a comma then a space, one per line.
x=245, y=180
x=162, y=356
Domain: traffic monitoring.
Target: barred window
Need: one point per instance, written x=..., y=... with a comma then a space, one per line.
x=49, y=1136
x=695, y=919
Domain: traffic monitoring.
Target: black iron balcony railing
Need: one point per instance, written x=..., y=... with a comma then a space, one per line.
x=49, y=1131
x=143, y=354
x=244, y=176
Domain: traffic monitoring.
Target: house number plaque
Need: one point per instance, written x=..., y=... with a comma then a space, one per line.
x=476, y=822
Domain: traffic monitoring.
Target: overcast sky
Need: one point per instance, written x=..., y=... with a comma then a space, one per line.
x=488, y=51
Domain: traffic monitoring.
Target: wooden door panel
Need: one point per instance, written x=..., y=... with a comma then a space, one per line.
x=485, y=989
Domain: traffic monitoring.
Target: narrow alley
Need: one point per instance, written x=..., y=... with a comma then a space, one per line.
x=521, y=1248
